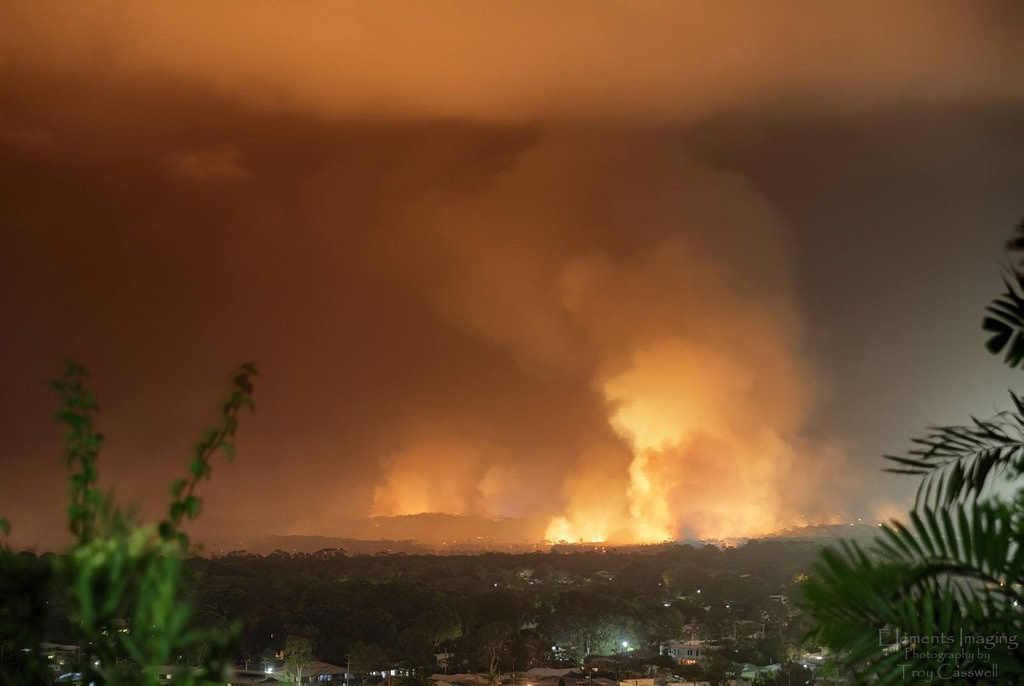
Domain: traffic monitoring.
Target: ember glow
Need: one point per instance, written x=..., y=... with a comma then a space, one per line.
x=612, y=271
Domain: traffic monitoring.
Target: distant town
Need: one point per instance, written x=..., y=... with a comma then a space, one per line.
x=571, y=615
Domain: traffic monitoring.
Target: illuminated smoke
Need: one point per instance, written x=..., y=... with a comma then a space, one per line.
x=523, y=60
x=687, y=335
x=432, y=473
x=709, y=393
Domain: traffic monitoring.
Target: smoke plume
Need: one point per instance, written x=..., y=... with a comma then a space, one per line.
x=660, y=284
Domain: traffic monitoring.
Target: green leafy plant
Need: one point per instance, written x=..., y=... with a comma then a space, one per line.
x=123, y=582
x=940, y=597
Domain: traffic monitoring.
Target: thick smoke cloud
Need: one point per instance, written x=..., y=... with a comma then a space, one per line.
x=511, y=61
x=612, y=261
x=471, y=246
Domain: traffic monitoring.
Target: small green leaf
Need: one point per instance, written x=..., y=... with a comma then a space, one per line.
x=165, y=529
x=192, y=506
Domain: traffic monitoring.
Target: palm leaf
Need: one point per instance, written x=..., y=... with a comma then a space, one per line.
x=959, y=462
x=1005, y=319
x=1016, y=244
x=946, y=571
x=957, y=566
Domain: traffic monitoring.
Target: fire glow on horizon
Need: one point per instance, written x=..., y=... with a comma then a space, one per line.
x=693, y=346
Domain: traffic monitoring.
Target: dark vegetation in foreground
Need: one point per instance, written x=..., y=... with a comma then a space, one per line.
x=120, y=595
x=940, y=595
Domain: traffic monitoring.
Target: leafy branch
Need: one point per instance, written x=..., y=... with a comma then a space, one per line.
x=185, y=504
x=123, y=582
x=82, y=446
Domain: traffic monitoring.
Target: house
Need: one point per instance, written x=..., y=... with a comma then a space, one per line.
x=314, y=671
x=688, y=652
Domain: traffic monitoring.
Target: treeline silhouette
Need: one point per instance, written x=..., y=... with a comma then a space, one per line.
x=394, y=610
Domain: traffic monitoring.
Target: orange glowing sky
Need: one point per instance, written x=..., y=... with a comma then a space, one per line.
x=622, y=271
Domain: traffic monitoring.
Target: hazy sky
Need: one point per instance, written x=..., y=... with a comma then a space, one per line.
x=626, y=270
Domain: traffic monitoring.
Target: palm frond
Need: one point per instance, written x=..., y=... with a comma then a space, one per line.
x=956, y=567
x=1016, y=244
x=976, y=548
x=1005, y=319
x=947, y=571
x=958, y=462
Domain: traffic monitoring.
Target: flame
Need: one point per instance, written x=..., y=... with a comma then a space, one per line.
x=648, y=504
x=687, y=340
x=706, y=458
